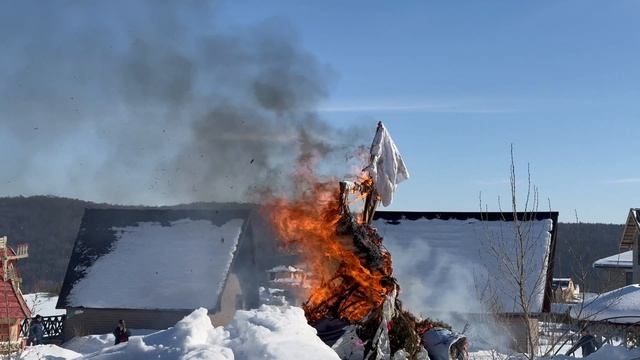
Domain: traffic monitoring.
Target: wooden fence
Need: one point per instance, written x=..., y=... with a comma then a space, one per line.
x=53, y=327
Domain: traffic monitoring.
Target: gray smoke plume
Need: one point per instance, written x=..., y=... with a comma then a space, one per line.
x=154, y=102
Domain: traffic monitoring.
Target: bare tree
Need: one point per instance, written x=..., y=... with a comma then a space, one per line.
x=522, y=270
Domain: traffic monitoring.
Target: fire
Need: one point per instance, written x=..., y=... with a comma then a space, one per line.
x=346, y=283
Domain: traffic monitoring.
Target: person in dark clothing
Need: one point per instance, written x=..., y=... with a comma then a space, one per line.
x=121, y=332
x=587, y=342
x=36, y=331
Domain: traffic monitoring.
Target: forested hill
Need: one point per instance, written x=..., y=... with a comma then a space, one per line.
x=50, y=224
x=579, y=245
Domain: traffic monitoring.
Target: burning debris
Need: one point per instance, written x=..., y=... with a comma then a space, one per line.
x=353, y=296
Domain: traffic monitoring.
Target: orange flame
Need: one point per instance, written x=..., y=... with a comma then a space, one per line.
x=341, y=283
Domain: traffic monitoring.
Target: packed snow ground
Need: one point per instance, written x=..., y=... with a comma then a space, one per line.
x=270, y=332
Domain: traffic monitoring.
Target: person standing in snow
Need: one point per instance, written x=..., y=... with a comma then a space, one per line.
x=587, y=343
x=36, y=331
x=121, y=332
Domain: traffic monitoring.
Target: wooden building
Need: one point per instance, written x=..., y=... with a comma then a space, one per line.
x=13, y=308
x=624, y=268
x=564, y=290
x=452, y=264
x=152, y=267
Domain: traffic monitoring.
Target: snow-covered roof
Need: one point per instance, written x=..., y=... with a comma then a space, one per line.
x=444, y=261
x=285, y=268
x=620, y=261
x=620, y=306
x=152, y=259
x=43, y=304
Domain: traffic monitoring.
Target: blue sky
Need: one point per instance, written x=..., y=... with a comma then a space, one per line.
x=458, y=82
x=108, y=101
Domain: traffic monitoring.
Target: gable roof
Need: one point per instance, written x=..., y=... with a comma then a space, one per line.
x=631, y=230
x=442, y=259
x=160, y=259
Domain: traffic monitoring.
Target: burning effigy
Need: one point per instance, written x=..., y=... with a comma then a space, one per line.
x=353, y=295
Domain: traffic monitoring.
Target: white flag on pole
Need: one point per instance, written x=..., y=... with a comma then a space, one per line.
x=387, y=169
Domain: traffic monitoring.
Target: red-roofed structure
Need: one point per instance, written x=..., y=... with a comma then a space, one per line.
x=13, y=308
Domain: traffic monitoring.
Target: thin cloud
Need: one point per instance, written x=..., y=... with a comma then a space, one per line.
x=624, y=181
x=411, y=107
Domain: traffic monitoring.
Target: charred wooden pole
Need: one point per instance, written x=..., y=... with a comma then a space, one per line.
x=371, y=201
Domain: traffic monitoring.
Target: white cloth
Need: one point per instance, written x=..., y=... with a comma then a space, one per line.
x=387, y=168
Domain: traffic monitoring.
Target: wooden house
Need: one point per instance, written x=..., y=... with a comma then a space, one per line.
x=152, y=267
x=624, y=268
x=564, y=290
x=450, y=265
x=13, y=308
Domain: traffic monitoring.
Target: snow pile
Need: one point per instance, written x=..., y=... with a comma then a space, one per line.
x=276, y=333
x=48, y=352
x=90, y=343
x=43, y=304
x=608, y=352
x=191, y=338
x=617, y=306
x=166, y=267
x=267, y=333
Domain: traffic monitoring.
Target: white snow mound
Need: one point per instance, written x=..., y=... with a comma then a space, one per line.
x=191, y=338
x=269, y=332
x=607, y=352
x=276, y=333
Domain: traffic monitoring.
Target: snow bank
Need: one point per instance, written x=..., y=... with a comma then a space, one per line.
x=617, y=306
x=48, y=352
x=276, y=333
x=608, y=352
x=191, y=338
x=269, y=332
x=92, y=343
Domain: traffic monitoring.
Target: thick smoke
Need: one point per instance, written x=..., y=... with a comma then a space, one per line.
x=154, y=102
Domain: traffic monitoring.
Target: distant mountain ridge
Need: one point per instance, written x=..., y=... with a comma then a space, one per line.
x=50, y=224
